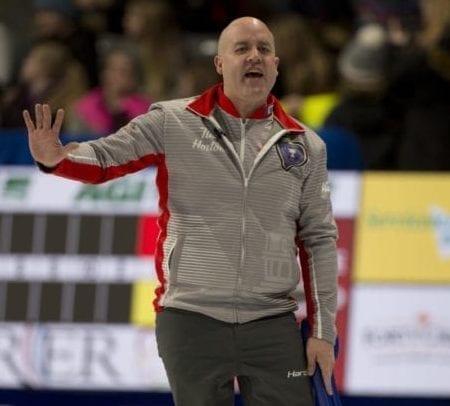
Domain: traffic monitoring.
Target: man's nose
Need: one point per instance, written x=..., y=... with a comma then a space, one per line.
x=254, y=55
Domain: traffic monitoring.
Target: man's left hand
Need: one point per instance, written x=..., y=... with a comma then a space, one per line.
x=321, y=352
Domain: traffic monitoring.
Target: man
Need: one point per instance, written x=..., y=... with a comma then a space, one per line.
x=243, y=188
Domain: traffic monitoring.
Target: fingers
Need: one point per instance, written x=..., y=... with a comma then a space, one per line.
x=43, y=119
x=320, y=352
x=28, y=121
x=38, y=115
x=326, y=377
x=46, y=117
x=58, y=121
x=325, y=369
x=311, y=359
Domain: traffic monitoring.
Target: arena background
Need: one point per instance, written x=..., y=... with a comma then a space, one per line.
x=76, y=316
x=77, y=280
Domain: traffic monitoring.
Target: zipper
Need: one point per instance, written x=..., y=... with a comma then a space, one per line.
x=243, y=227
x=246, y=179
x=244, y=209
x=269, y=144
x=220, y=133
x=242, y=148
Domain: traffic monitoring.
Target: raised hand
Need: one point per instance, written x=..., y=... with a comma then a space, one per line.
x=43, y=137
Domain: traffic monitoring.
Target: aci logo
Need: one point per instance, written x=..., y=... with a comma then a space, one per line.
x=441, y=226
x=123, y=190
x=16, y=188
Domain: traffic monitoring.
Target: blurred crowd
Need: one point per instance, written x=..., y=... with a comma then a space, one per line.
x=372, y=77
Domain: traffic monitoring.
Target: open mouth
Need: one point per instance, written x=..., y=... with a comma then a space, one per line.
x=253, y=75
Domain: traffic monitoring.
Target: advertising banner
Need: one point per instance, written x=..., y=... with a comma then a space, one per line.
x=77, y=271
x=345, y=193
x=26, y=189
x=76, y=356
x=399, y=341
x=403, y=232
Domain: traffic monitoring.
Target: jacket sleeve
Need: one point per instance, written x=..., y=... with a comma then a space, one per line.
x=135, y=146
x=317, y=234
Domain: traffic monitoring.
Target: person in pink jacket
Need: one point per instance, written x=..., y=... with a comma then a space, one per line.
x=116, y=101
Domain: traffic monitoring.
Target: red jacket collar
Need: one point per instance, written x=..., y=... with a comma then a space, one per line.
x=205, y=103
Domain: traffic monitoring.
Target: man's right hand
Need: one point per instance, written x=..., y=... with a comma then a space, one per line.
x=43, y=137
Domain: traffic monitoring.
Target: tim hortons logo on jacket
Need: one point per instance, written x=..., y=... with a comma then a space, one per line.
x=207, y=143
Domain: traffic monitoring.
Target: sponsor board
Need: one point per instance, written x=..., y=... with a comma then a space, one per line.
x=345, y=193
x=62, y=236
x=399, y=341
x=404, y=229
x=25, y=189
x=71, y=356
x=67, y=268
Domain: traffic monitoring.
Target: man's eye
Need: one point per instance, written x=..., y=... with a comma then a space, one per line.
x=241, y=50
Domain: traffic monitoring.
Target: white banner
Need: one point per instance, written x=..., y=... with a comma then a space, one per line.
x=345, y=193
x=70, y=356
x=399, y=341
x=72, y=268
x=25, y=189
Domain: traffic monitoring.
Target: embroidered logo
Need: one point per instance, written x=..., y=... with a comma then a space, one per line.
x=296, y=374
x=207, y=143
x=291, y=154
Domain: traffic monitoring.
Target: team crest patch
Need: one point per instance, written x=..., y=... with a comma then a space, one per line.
x=291, y=154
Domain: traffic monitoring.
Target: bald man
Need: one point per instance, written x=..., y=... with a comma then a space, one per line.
x=243, y=190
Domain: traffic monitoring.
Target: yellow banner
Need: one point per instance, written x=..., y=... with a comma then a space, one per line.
x=142, y=313
x=403, y=229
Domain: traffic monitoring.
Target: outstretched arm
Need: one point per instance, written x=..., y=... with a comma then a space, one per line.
x=43, y=136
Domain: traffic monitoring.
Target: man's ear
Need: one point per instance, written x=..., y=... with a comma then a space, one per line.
x=218, y=64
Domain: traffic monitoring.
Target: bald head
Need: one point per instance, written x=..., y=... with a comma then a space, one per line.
x=237, y=24
x=247, y=62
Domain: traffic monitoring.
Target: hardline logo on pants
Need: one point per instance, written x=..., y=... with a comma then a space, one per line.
x=296, y=374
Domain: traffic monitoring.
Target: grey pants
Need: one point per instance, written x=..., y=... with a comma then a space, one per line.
x=202, y=356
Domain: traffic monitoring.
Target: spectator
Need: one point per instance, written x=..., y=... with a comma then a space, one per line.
x=364, y=109
x=305, y=70
x=116, y=101
x=195, y=76
x=100, y=16
x=151, y=27
x=425, y=141
x=197, y=72
x=48, y=74
x=56, y=20
x=435, y=21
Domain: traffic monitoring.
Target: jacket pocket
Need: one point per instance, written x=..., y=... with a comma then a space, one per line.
x=279, y=262
x=173, y=258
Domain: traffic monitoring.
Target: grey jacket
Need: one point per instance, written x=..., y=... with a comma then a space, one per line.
x=239, y=200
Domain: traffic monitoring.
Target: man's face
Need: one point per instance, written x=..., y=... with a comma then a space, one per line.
x=246, y=60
